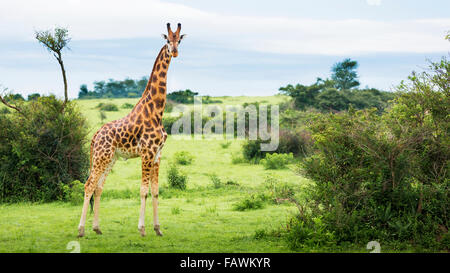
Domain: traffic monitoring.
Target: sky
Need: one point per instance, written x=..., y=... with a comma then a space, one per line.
x=232, y=47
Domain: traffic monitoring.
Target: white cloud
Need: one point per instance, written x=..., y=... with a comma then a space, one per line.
x=373, y=2
x=110, y=19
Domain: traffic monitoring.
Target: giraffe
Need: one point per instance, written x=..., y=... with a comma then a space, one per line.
x=140, y=133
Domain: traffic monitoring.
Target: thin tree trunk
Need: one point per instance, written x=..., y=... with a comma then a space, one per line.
x=63, y=71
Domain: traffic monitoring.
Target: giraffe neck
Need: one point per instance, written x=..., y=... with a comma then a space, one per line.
x=153, y=99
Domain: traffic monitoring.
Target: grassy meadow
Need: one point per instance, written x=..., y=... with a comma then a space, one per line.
x=199, y=219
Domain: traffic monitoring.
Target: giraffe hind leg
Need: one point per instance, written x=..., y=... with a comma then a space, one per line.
x=96, y=178
x=88, y=191
x=97, y=194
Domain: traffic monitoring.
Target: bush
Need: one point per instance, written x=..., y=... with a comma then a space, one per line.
x=225, y=145
x=277, y=161
x=42, y=150
x=215, y=180
x=74, y=192
x=168, y=121
x=127, y=105
x=231, y=182
x=176, y=210
x=386, y=176
x=251, y=150
x=307, y=233
x=109, y=107
x=298, y=142
x=186, y=96
x=249, y=203
x=177, y=180
x=278, y=191
x=183, y=158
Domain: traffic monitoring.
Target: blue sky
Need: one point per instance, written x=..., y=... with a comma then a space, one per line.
x=232, y=48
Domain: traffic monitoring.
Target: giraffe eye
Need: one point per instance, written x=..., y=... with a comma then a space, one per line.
x=179, y=41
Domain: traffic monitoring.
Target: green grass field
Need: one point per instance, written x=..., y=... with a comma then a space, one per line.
x=200, y=219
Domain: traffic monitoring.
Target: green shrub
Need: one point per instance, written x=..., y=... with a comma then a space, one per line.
x=109, y=107
x=295, y=141
x=298, y=142
x=215, y=180
x=182, y=96
x=277, y=161
x=177, y=179
x=183, y=158
x=99, y=105
x=307, y=233
x=260, y=234
x=127, y=105
x=175, y=210
x=386, y=176
x=225, y=145
x=41, y=150
x=278, y=191
x=231, y=182
x=249, y=203
x=168, y=121
x=74, y=192
x=251, y=150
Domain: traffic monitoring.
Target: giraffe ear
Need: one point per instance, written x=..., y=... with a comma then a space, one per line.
x=164, y=36
x=182, y=36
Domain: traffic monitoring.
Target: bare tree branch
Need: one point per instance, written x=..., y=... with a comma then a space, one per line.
x=2, y=99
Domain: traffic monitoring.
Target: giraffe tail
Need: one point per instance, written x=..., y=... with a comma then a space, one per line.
x=91, y=201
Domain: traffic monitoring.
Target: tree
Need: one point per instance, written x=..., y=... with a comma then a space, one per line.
x=55, y=43
x=83, y=91
x=306, y=96
x=34, y=96
x=344, y=74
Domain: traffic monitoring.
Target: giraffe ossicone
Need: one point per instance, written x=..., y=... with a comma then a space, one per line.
x=140, y=133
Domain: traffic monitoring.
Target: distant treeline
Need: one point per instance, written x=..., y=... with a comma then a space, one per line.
x=19, y=97
x=338, y=93
x=324, y=96
x=130, y=88
x=127, y=88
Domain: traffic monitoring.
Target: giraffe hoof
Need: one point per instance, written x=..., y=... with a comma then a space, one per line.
x=97, y=230
x=142, y=231
x=80, y=232
x=158, y=231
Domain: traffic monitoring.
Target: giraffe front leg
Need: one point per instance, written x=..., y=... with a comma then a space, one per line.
x=141, y=225
x=155, y=195
x=146, y=174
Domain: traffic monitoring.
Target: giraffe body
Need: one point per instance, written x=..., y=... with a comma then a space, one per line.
x=139, y=134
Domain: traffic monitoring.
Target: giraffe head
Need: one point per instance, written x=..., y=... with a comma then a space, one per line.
x=173, y=39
